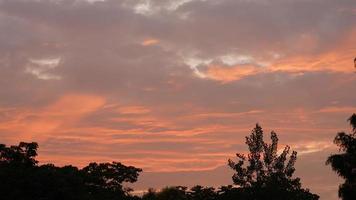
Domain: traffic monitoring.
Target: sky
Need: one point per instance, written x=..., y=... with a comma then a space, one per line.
x=174, y=86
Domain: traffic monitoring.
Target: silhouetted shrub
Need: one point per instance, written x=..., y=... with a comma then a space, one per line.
x=344, y=164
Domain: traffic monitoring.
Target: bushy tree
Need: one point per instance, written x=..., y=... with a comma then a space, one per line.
x=199, y=192
x=262, y=173
x=105, y=180
x=23, y=154
x=344, y=164
x=21, y=178
x=151, y=194
x=173, y=193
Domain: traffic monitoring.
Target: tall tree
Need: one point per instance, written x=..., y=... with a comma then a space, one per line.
x=262, y=171
x=344, y=163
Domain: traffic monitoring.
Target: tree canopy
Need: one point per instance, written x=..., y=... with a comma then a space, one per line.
x=344, y=163
x=262, y=171
x=22, y=178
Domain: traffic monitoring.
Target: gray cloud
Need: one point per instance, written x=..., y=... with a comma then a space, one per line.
x=101, y=51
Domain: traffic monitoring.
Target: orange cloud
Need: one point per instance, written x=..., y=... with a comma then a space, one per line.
x=335, y=109
x=227, y=74
x=227, y=114
x=30, y=123
x=73, y=105
x=336, y=59
x=136, y=135
x=133, y=110
x=149, y=42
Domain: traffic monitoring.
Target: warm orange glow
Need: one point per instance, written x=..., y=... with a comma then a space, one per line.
x=334, y=109
x=133, y=110
x=31, y=123
x=227, y=74
x=338, y=59
x=149, y=42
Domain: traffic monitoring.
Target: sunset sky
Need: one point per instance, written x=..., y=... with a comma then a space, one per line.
x=174, y=86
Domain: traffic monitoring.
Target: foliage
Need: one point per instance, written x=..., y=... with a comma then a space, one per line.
x=22, y=178
x=202, y=193
x=173, y=193
x=24, y=154
x=181, y=193
x=263, y=171
x=151, y=194
x=344, y=164
x=104, y=177
x=229, y=192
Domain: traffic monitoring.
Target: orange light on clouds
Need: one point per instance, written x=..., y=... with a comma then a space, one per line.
x=71, y=105
x=149, y=42
x=227, y=74
x=133, y=110
x=32, y=123
x=337, y=59
x=334, y=109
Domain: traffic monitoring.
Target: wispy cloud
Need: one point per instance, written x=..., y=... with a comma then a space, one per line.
x=41, y=68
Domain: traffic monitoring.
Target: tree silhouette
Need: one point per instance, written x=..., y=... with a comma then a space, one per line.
x=202, y=193
x=264, y=172
x=181, y=193
x=21, y=178
x=23, y=154
x=344, y=164
x=173, y=193
x=104, y=180
x=151, y=194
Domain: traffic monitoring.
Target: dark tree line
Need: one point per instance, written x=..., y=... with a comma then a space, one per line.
x=21, y=178
x=261, y=174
